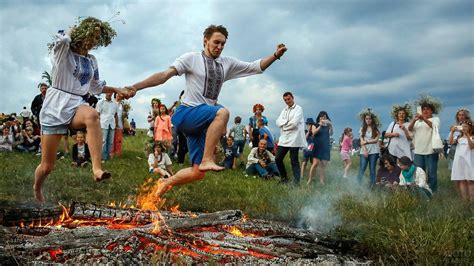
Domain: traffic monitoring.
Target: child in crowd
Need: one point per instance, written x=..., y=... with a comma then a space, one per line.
x=346, y=147
x=163, y=131
x=413, y=176
x=264, y=133
x=6, y=140
x=463, y=164
x=308, y=150
x=159, y=162
x=239, y=133
x=230, y=153
x=261, y=161
x=30, y=142
x=80, y=151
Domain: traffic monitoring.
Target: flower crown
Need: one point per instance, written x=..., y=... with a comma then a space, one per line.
x=431, y=101
x=397, y=108
x=368, y=111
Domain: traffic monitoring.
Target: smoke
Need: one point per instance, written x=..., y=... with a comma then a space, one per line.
x=320, y=212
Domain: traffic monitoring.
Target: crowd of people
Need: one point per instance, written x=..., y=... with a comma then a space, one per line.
x=197, y=124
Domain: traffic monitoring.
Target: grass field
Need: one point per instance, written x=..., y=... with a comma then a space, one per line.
x=390, y=227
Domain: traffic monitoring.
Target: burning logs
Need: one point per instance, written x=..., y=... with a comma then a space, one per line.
x=103, y=234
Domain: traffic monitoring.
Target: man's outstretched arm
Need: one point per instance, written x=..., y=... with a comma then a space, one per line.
x=155, y=79
x=267, y=61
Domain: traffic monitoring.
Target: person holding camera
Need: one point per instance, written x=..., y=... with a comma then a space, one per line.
x=455, y=132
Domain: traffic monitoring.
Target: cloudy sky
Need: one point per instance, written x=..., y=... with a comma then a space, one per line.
x=342, y=55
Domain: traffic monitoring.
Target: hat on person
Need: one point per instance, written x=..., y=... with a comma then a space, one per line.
x=310, y=121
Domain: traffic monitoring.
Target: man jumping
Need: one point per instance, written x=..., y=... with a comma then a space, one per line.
x=199, y=117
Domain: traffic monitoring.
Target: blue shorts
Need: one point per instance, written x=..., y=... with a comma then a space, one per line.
x=193, y=121
x=54, y=130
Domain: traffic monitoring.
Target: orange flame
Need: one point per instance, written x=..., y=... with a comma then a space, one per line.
x=147, y=198
x=236, y=231
x=174, y=209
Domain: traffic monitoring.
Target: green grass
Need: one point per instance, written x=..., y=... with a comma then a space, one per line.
x=392, y=227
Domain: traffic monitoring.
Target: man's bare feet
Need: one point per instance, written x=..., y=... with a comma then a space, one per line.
x=38, y=194
x=210, y=166
x=100, y=175
x=161, y=187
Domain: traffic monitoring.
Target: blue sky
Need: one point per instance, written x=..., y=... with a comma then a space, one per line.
x=342, y=55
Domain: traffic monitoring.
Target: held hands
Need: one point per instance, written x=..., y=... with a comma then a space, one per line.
x=127, y=92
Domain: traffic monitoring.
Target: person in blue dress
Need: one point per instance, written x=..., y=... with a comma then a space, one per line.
x=322, y=132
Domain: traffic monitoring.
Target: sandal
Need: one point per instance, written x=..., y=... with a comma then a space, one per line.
x=105, y=175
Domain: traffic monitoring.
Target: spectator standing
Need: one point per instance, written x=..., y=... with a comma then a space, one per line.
x=253, y=127
x=424, y=126
x=346, y=148
x=25, y=113
x=107, y=110
x=80, y=151
x=239, y=133
x=292, y=137
x=399, y=143
x=118, y=132
x=322, y=132
x=463, y=165
x=133, y=127
x=308, y=150
x=462, y=114
x=369, y=137
x=37, y=103
x=162, y=127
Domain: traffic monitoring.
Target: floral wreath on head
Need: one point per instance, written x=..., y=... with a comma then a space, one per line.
x=431, y=101
x=85, y=27
x=397, y=108
x=368, y=111
x=258, y=106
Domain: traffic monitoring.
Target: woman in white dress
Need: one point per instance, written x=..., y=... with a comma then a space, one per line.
x=463, y=165
x=397, y=132
x=74, y=74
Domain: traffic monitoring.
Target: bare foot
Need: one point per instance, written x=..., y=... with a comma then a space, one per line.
x=38, y=194
x=210, y=166
x=161, y=188
x=100, y=175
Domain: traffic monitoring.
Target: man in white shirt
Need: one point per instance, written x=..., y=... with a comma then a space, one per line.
x=108, y=110
x=292, y=137
x=205, y=72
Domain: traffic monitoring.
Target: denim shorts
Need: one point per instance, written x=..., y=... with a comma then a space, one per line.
x=54, y=130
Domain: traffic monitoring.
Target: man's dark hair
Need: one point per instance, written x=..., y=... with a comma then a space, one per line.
x=213, y=28
x=43, y=84
x=288, y=93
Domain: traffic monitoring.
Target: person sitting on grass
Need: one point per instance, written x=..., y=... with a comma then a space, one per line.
x=80, y=151
x=413, y=177
x=159, y=162
x=262, y=162
x=264, y=133
x=230, y=154
x=30, y=141
x=389, y=172
x=6, y=140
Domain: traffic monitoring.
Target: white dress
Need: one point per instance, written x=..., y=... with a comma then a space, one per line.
x=463, y=164
x=73, y=76
x=399, y=146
